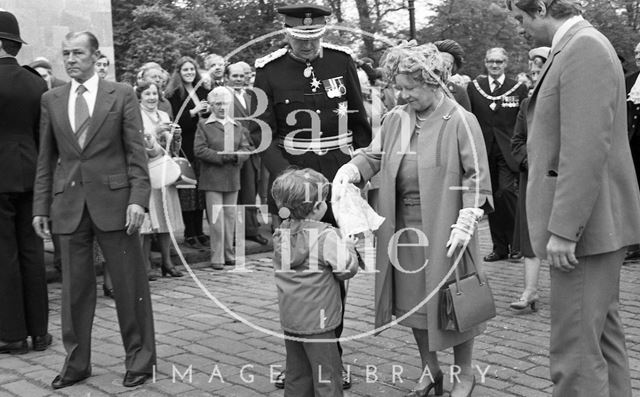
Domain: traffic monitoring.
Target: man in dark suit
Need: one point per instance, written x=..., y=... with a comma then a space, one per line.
x=244, y=105
x=632, y=84
x=495, y=101
x=92, y=180
x=23, y=284
x=583, y=203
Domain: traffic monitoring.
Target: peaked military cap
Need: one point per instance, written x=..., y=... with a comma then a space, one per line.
x=305, y=21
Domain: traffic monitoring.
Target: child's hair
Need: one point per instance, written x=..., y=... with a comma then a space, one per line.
x=298, y=190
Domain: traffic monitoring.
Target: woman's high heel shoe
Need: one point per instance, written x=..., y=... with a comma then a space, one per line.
x=171, y=271
x=473, y=385
x=523, y=303
x=437, y=385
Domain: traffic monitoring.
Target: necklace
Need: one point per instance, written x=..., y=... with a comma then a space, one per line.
x=493, y=99
x=429, y=111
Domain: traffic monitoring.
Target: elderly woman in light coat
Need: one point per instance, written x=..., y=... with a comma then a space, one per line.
x=434, y=174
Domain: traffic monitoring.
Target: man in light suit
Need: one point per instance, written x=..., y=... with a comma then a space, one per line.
x=582, y=196
x=92, y=180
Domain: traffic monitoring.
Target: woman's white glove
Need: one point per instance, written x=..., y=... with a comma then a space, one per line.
x=348, y=173
x=463, y=229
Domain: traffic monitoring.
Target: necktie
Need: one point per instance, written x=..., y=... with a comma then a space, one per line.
x=496, y=85
x=82, y=115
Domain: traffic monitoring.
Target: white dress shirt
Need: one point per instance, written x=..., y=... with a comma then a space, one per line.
x=240, y=95
x=563, y=29
x=90, y=96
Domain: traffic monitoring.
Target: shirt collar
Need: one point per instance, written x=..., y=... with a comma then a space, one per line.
x=499, y=80
x=564, y=28
x=225, y=120
x=91, y=85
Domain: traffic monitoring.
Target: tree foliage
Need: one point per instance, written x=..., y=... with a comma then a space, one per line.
x=477, y=25
x=163, y=30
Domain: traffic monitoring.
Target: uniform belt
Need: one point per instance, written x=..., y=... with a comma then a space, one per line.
x=409, y=201
x=318, y=144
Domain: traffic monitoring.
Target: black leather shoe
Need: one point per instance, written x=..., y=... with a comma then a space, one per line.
x=258, y=239
x=492, y=257
x=515, y=256
x=204, y=240
x=192, y=242
x=40, y=343
x=131, y=379
x=230, y=263
x=59, y=382
x=279, y=383
x=19, y=347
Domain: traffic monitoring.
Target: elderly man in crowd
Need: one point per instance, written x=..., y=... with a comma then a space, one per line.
x=583, y=200
x=495, y=100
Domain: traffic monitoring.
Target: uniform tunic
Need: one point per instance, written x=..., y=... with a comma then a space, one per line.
x=293, y=105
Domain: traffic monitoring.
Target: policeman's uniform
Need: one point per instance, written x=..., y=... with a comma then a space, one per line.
x=315, y=107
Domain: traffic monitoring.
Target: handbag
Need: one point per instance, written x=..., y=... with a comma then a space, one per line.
x=187, y=174
x=163, y=171
x=466, y=301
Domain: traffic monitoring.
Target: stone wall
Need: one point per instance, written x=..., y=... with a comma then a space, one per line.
x=43, y=24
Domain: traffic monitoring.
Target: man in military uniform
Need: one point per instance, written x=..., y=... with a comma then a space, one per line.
x=314, y=103
x=495, y=101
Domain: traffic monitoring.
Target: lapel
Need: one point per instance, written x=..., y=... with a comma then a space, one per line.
x=247, y=100
x=484, y=84
x=61, y=109
x=105, y=99
x=402, y=140
x=561, y=44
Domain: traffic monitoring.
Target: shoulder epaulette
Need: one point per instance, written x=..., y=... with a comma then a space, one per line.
x=340, y=48
x=260, y=62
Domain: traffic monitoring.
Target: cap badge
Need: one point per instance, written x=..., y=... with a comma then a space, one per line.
x=307, y=20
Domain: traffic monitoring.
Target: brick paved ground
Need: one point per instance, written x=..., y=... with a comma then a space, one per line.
x=192, y=331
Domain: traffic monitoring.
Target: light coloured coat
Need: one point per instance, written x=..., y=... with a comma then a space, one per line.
x=452, y=174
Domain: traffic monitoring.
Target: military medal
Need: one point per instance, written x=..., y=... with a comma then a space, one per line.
x=504, y=99
x=335, y=87
x=315, y=84
x=308, y=72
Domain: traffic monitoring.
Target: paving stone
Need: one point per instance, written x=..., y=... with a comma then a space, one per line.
x=25, y=388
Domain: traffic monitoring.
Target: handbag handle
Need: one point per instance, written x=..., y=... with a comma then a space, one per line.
x=464, y=252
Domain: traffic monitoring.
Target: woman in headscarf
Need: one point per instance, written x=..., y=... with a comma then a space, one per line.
x=434, y=174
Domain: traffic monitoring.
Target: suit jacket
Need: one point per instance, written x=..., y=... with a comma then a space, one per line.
x=107, y=175
x=20, y=92
x=633, y=110
x=497, y=125
x=216, y=174
x=582, y=185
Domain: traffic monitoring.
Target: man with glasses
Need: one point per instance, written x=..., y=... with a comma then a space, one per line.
x=583, y=202
x=495, y=101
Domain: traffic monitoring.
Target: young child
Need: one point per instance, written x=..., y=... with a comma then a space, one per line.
x=310, y=257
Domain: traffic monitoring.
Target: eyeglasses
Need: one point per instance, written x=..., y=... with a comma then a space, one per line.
x=496, y=61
